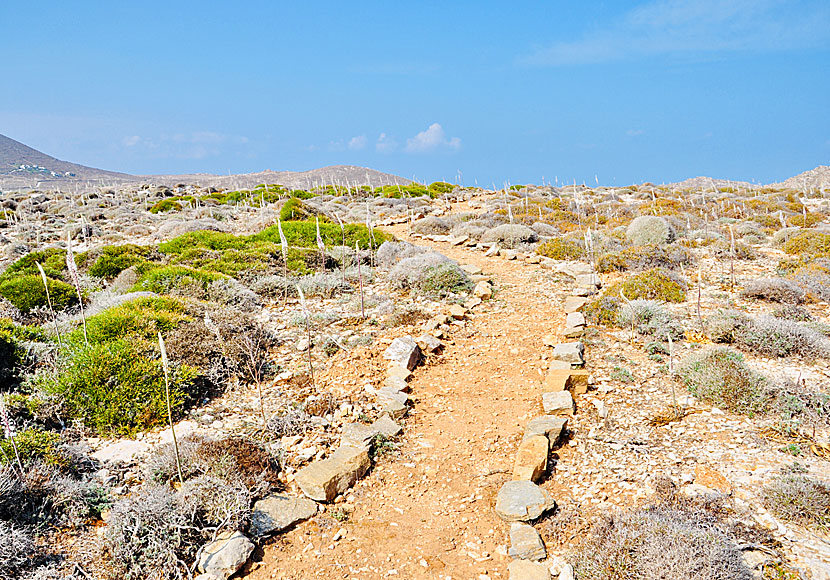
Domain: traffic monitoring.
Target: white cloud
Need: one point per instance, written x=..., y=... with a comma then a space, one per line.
x=358, y=142
x=695, y=27
x=385, y=144
x=194, y=145
x=634, y=132
x=432, y=139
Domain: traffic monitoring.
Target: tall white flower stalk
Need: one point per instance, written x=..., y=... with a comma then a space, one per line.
x=49, y=302
x=360, y=278
x=73, y=273
x=166, y=365
x=307, y=316
x=284, y=249
x=8, y=432
x=320, y=245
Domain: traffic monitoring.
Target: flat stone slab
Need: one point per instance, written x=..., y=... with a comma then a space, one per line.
x=395, y=383
x=575, y=319
x=531, y=460
x=588, y=280
x=525, y=542
x=387, y=427
x=521, y=501
x=558, y=403
x=574, y=303
x=358, y=435
x=527, y=570
x=223, y=557
x=570, y=352
x=404, y=351
x=126, y=452
x=323, y=480
x=458, y=312
x=428, y=343
x=573, y=269
x=396, y=371
x=550, y=426
x=483, y=290
x=276, y=513
x=470, y=269
x=573, y=380
x=574, y=332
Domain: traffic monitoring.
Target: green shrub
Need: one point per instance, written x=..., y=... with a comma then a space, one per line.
x=164, y=279
x=440, y=188
x=303, y=234
x=115, y=259
x=604, y=310
x=26, y=292
x=53, y=261
x=719, y=376
x=141, y=318
x=654, y=284
x=724, y=325
x=34, y=444
x=294, y=209
x=115, y=387
x=561, y=249
x=443, y=279
x=811, y=243
x=166, y=205
x=11, y=356
x=22, y=332
x=797, y=498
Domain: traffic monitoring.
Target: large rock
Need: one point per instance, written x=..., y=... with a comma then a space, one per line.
x=574, y=303
x=531, y=458
x=548, y=425
x=527, y=570
x=276, y=513
x=224, y=557
x=386, y=426
x=570, y=352
x=404, y=351
x=125, y=452
x=575, y=381
x=358, y=435
x=323, y=480
x=558, y=403
x=483, y=290
x=521, y=501
x=525, y=542
x=575, y=319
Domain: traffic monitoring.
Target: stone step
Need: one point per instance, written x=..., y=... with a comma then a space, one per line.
x=325, y=479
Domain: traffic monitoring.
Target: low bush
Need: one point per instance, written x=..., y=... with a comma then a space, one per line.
x=115, y=387
x=444, y=279
x=165, y=279
x=604, y=310
x=808, y=243
x=654, y=284
x=27, y=292
x=777, y=337
x=53, y=261
x=644, y=257
x=390, y=253
x=647, y=229
x=166, y=205
x=774, y=290
x=431, y=225
x=561, y=249
x=408, y=272
x=510, y=235
x=659, y=542
x=17, y=551
x=112, y=260
x=796, y=498
x=141, y=318
x=719, y=376
x=649, y=317
x=33, y=444
x=724, y=325
x=793, y=312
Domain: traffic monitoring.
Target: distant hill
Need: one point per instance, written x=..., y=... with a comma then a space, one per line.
x=22, y=167
x=696, y=183
x=818, y=178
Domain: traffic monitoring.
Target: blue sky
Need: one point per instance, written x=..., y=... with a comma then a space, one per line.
x=618, y=92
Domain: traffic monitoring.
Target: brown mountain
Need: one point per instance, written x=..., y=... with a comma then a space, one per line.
x=22, y=167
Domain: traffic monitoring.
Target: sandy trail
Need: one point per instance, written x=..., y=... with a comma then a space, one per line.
x=428, y=513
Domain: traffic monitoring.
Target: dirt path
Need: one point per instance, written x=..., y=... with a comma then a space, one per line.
x=428, y=513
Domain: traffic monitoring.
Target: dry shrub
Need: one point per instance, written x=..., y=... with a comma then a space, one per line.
x=659, y=542
x=432, y=225
x=320, y=405
x=647, y=229
x=234, y=460
x=776, y=337
x=390, y=253
x=797, y=498
x=17, y=550
x=719, y=375
x=724, y=325
x=774, y=290
x=644, y=257
x=510, y=235
x=290, y=422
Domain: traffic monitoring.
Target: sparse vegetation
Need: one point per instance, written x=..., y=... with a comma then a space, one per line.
x=720, y=376
x=800, y=499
